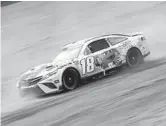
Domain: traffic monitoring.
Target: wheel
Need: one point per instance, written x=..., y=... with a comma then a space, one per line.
x=134, y=58
x=70, y=79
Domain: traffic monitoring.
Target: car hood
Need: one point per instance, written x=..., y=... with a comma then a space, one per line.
x=44, y=69
x=38, y=71
x=62, y=63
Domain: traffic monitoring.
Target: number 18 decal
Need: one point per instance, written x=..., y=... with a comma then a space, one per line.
x=87, y=65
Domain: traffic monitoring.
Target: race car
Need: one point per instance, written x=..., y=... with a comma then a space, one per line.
x=82, y=59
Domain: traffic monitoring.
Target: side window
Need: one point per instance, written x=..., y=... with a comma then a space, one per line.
x=97, y=45
x=116, y=40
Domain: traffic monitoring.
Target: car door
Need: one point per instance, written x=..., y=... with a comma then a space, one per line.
x=96, y=58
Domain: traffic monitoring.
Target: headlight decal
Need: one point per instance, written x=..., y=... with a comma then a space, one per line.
x=52, y=73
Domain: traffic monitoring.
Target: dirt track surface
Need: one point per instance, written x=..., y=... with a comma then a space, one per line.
x=31, y=35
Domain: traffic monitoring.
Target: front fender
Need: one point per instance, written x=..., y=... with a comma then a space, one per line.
x=61, y=70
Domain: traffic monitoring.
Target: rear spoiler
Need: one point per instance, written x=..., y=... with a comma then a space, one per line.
x=130, y=34
x=135, y=34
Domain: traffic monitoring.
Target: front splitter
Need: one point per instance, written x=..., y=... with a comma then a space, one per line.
x=34, y=91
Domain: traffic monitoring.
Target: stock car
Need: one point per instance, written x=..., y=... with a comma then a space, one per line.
x=82, y=59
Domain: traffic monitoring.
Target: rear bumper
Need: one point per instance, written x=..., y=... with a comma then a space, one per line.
x=145, y=55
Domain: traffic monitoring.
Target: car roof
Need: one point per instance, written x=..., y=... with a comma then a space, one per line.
x=76, y=43
x=82, y=42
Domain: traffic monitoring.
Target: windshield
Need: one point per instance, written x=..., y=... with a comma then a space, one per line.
x=68, y=53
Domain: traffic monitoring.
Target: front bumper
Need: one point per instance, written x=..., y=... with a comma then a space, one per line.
x=31, y=91
x=41, y=88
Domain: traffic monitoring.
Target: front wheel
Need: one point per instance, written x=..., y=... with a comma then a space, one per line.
x=134, y=58
x=70, y=79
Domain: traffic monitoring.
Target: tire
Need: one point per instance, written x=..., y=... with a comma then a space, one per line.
x=70, y=79
x=134, y=58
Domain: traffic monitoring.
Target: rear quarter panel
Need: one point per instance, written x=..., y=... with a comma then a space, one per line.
x=136, y=41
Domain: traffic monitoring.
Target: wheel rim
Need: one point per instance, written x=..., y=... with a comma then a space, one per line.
x=70, y=80
x=134, y=57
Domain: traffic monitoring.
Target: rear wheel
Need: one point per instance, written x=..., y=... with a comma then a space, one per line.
x=134, y=58
x=70, y=79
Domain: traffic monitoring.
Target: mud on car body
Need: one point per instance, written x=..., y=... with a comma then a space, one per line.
x=82, y=59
